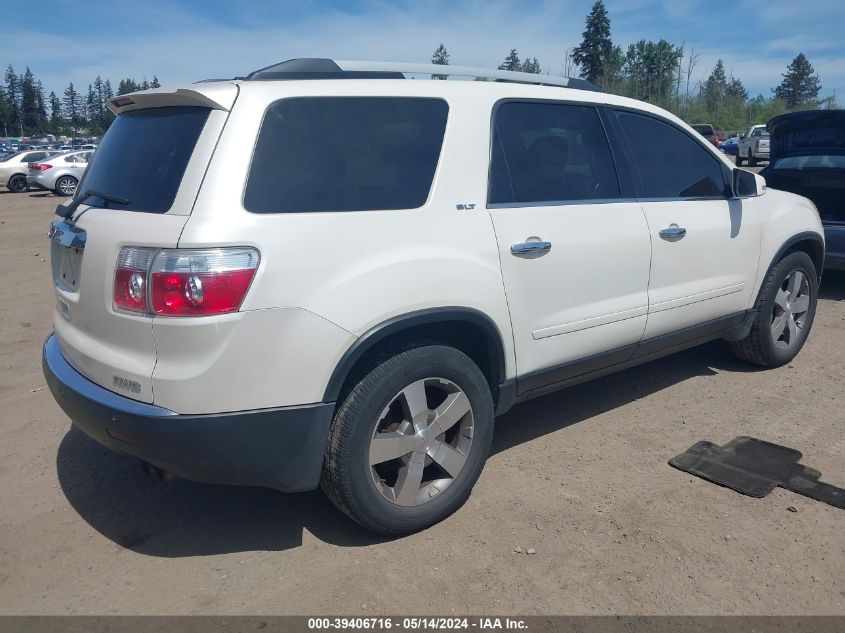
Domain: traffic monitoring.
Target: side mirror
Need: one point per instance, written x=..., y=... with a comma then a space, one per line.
x=747, y=185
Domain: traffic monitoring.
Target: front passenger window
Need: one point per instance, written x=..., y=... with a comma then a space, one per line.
x=670, y=163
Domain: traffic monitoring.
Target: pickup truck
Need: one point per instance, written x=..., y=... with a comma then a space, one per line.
x=753, y=146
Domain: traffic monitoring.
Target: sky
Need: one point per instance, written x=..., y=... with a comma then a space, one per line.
x=182, y=41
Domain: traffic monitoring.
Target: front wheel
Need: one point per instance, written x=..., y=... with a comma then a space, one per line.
x=738, y=159
x=784, y=313
x=66, y=186
x=409, y=441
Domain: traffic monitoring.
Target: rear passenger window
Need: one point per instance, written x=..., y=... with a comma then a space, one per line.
x=670, y=163
x=549, y=152
x=345, y=154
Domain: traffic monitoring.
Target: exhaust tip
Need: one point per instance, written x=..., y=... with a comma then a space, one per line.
x=162, y=475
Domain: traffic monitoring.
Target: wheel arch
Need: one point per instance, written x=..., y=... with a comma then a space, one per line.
x=469, y=330
x=808, y=242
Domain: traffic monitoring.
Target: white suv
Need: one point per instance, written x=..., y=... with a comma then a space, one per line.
x=326, y=274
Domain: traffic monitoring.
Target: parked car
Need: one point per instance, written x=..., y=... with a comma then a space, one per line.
x=706, y=130
x=730, y=145
x=14, y=168
x=342, y=281
x=753, y=146
x=808, y=158
x=59, y=174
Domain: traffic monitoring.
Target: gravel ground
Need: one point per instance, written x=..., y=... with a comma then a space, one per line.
x=577, y=511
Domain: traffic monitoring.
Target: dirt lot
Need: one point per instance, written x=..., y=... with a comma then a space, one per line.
x=580, y=476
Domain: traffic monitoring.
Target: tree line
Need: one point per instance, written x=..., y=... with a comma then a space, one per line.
x=25, y=109
x=663, y=73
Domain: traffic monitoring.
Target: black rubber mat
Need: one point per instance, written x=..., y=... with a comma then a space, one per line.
x=754, y=467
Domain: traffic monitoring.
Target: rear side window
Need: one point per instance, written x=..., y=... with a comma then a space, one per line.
x=670, y=163
x=143, y=157
x=549, y=152
x=345, y=154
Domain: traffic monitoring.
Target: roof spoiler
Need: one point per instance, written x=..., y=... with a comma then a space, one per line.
x=217, y=96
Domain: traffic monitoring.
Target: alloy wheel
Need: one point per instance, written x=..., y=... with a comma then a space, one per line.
x=792, y=304
x=67, y=186
x=18, y=184
x=421, y=441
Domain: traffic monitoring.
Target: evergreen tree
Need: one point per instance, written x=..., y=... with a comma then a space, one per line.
x=126, y=86
x=599, y=60
x=800, y=86
x=511, y=62
x=91, y=110
x=715, y=88
x=57, y=122
x=13, y=100
x=41, y=108
x=736, y=91
x=4, y=111
x=29, y=103
x=155, y=84
x=439, y=57
x=531, y=66
x=72, y=108
x=145, y=85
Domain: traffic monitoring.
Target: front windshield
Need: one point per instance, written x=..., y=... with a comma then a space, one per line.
x=8, y=157
x=834, y=161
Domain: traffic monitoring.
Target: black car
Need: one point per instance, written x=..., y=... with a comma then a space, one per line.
x=807, y=157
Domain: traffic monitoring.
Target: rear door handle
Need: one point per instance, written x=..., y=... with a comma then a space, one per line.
x=673, y=232
x=531, y=247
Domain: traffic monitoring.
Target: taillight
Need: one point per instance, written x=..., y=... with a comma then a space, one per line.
x=183, y=282
x=130, y=278
x=39, y=167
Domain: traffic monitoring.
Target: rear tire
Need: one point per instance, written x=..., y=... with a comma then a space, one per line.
x=17, y=183
x=66, y=186
x=387, y=464
x=784, y=313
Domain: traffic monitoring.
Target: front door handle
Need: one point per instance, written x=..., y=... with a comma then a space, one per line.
x=673, y=232
x=531, y=247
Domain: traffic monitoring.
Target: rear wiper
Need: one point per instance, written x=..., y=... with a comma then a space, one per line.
x=66, y=211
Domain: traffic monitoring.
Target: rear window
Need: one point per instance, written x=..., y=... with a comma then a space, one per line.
x=704, y=130
x=143, y=157
x=345, y=154
x=814, y=161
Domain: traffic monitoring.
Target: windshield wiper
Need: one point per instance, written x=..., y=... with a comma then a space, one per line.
x=66, y=211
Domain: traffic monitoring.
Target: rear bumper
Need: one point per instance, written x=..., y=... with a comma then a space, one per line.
x=834, y=237
x=36, y=182
x=276, y=448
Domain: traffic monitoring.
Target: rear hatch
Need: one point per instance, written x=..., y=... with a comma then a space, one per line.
x=148, y=170
x=807, y=157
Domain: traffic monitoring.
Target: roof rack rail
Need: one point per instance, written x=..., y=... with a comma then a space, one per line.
x=316, y=68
